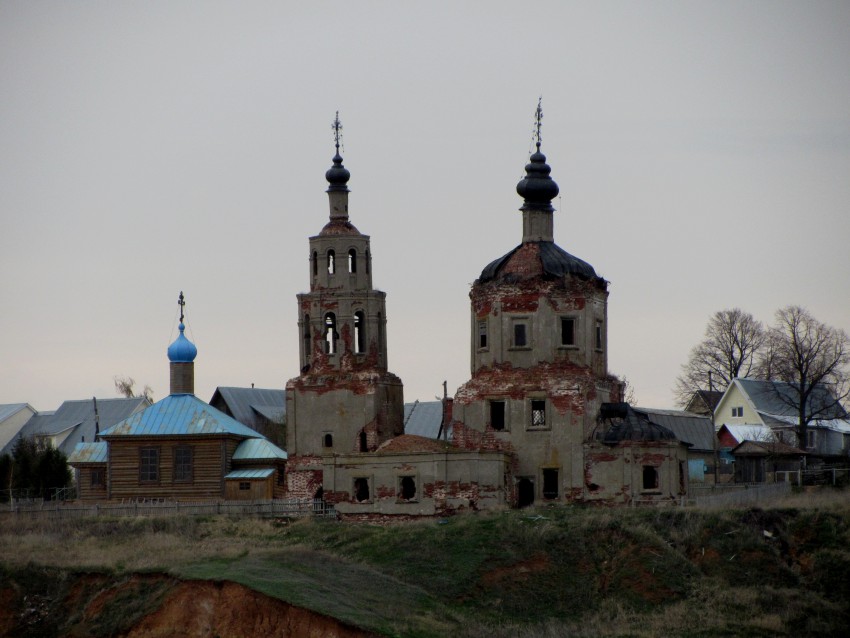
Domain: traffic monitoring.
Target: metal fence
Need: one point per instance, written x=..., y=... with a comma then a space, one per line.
x=737, y=494
x=823, y=476
x=277, y=508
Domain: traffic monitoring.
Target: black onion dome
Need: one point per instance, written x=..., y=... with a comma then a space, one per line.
x=554, y=260
x=537, y=188
x=337, y=175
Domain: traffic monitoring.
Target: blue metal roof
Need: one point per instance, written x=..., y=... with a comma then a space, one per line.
x=262, y=472
x=89, y=453
x=258, y=449
x=245, y=404
x=179, y=414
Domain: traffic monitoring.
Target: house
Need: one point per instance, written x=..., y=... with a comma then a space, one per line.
x=76, y=422
x=760, y=461
x=13, y=417
x=697, y=432
x=704, y=402
x=770, y=404
x=263, y=410
x=179, y=448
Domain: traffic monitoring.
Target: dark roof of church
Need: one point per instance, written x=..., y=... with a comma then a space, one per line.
x=630, y=425
x=554, y=260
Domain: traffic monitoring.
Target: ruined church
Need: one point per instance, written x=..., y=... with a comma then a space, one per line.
x=540, y=420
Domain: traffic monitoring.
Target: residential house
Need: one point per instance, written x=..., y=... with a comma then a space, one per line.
x=13, y=417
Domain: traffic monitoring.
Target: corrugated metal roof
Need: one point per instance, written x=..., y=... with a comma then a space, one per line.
x=777, y=398
x=89, y=453
x=258, y=449
x=263, y=472
x=750, y=432
x=179, y=414
x=80, y=416
x=423, y=418
x=687, y=426
x=10, y=409
x=245, y=404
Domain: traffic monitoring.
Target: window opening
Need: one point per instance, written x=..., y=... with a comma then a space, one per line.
x=244, y=485
x=599, y=335
x=550, y=483
x=524, y=492
x=359, y=332
x=363, y=442
x=368, y=261
x=330, y=333
x=520, y=337
x=331, y=264
x=315, y=263
x=328, y=440
x=482, y=334
x=148, y=465
x=361, y=490
x=352, y=261
x=380, y=334
x=650, y=477
x=320, y=494
x=538, y=413
x=307, y=335
x=407, y=488
x=568, y=331
x=98, y=476
x=811, y=438
x=183, y=463
x=497, y=415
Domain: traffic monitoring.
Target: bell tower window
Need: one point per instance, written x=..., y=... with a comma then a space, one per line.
x=568, y=331
x=331, y=262
x=368, y=260
x=359, y=332
x=482, y=335
x=330, y=333
x=315, y=260
x=352, y=261
x=307, y=335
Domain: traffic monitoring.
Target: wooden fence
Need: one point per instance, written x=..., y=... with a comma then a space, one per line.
x=737, y=494
x=283, y=508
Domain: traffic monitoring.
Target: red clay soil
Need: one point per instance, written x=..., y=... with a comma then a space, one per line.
x=206, y=609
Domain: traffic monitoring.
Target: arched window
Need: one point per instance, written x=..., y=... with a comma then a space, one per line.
x=380, y=334
x=368, y=261
x=364, y=447
x=328, y=440
x=359, y=332
x=315, y=260
x=352, y=260
x=330, y=333
x=331, y=262
x=307, y=335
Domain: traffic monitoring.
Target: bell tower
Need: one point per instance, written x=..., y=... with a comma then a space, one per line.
x=345, y=399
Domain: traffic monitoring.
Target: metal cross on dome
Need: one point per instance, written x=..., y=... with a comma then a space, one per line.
x=538, y=122
x=337, y=127
x=181, y=301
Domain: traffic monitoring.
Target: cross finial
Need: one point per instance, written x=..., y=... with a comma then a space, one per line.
x=337, y=127
x=538, y=122
x=181, y=301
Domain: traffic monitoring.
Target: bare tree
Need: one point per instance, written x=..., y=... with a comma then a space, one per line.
x=812, y=359
x=732, y=340
x=125, y=386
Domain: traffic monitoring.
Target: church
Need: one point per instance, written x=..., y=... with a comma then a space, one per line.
x=539, y=421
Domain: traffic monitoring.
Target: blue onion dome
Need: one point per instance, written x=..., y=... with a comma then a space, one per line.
x=337, y=175
x=537, y=188
x=182, y=350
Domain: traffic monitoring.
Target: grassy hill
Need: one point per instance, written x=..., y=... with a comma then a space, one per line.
x=547, y=572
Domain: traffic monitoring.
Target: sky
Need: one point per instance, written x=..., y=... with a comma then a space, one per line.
x=702, y=150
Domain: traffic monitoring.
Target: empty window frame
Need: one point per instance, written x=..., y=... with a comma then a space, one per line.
x=520, y=334
x=550, y=483
x=149, y=465
x=307, y=337
x=524, y=491
x=328, y=440
x=352, y=261
x=363, y=442
x=359, y=332
x=407, y=488
x=538, y=413
x=650, y=477
x=368, y=261
x=331, y=262
x=330, y=333
x=315, y=260
x=361, y=490
x=482, y=335
x=568, y=331
x=598, y=335
x=497, y=415
x=183, y=463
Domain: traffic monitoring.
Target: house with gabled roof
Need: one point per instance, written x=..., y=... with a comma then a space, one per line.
x=261, y=409
x=770, y=404
x=179, y=448
x=13, y=417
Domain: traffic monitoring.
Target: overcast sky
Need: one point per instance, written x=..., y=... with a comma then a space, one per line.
x=702, y=150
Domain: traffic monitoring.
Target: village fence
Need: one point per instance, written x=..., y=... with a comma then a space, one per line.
x=276, y=508
x=737, y=494
x=822, y=476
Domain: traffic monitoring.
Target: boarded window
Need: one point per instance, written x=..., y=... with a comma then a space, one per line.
x=361, y=490
x=650, y=477
x=520, y=336
x=568, y=331
x=550, y=483
x=482, y=334
x=538, y=413
x=183, y=463
x=497, y=415
x=149, y=465
x=407, y=488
